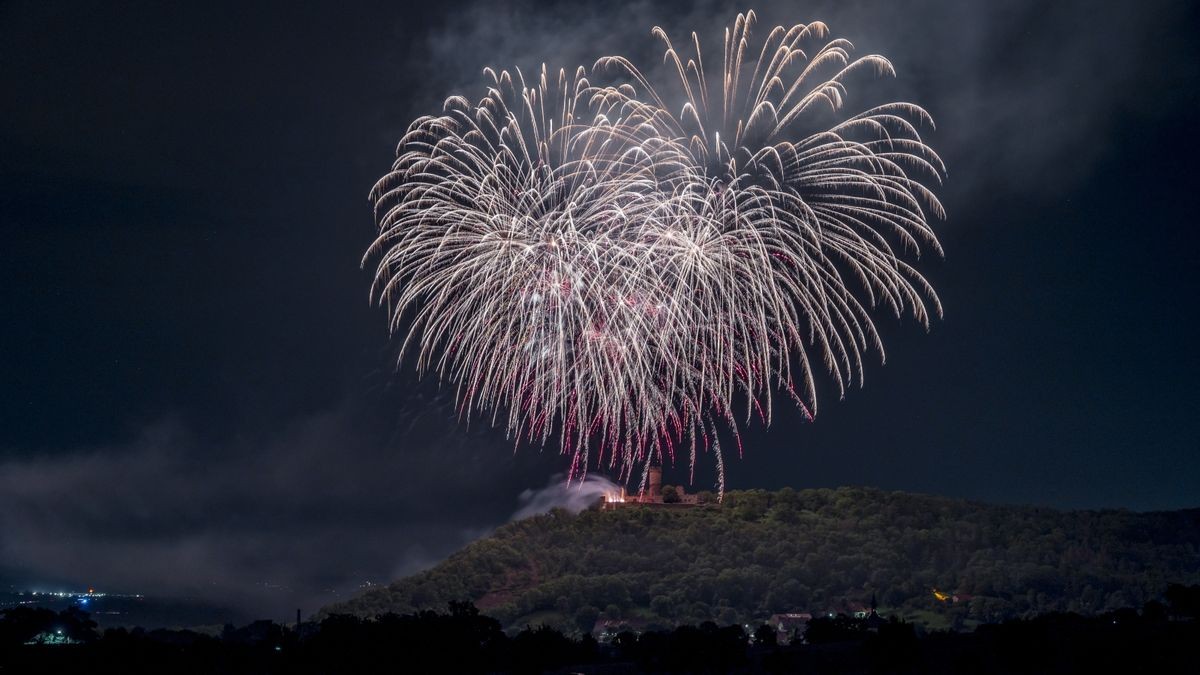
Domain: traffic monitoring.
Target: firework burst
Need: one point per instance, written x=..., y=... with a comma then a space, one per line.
x=590, y=264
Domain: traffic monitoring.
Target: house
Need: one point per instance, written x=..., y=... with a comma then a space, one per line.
x=789, y=627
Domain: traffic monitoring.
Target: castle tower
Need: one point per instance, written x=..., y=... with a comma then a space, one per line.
x=654, y=490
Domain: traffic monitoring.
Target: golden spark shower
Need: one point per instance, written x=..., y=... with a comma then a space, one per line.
x=631, y=268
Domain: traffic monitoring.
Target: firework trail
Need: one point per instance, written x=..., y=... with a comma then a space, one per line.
x=585, y=262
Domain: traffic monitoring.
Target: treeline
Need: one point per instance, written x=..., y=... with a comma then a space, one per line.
x=823, y=550
x=1160, y=639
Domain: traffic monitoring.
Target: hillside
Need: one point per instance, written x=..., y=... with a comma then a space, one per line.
x=761, y=553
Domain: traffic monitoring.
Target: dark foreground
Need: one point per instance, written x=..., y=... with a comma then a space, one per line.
x=1157, y=639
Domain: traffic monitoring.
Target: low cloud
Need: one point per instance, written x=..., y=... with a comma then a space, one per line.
x=296, y=519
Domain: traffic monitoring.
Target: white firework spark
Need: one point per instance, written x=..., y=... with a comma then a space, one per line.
x=584, y=263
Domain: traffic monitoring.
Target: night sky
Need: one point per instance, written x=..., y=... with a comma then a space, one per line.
x=199, y=398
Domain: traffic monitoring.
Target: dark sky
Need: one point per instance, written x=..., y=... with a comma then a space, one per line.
x=198, y=397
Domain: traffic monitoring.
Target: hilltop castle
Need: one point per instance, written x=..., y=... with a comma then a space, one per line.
x=654, y=495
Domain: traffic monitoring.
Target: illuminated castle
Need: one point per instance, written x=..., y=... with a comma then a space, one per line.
x=653, y=495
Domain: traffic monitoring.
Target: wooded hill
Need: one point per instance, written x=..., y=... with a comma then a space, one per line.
x=761, y=553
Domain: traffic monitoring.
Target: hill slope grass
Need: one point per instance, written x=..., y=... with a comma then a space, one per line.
x=823, y=550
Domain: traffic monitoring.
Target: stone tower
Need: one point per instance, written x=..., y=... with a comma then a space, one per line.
x=654, y=490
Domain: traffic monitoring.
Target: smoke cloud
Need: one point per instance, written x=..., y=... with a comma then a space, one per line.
x=574, y=496
x=1001, y=111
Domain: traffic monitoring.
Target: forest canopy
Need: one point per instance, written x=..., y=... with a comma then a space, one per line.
x=934, y=561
